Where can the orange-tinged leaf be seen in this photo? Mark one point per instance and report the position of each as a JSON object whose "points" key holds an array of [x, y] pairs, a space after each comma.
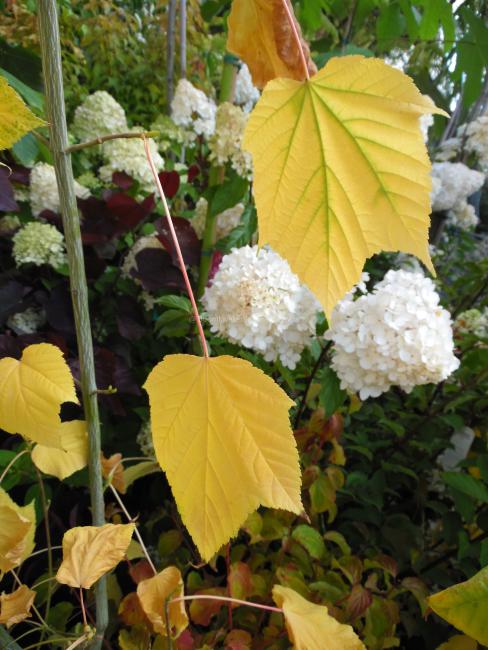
{"points": [[113, 471], [15, 607], [32, 390], [15, 118], [153, 594], [91, 551], [74, 455], [202, 611], [207, 415], [17, 530], [261, 34], [310, 626], [341, 171]]}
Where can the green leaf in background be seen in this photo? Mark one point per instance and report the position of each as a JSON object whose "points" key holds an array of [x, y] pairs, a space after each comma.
{"points": [[412, 18], [350, 48], [33, 98], [175, 302], [311, 540], [26, 150], [466, 484], [465, 606], [472, 55], [331, 395], [227, 195], [241, 234], [390, 25]]}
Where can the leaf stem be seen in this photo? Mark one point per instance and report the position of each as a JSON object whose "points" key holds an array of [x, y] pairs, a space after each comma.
{"points": [[237, 601], [14, 460], [83, 610], [293, 26], [77, 642], [45, 510], [168, 624], [176, 243], [106, 138]]}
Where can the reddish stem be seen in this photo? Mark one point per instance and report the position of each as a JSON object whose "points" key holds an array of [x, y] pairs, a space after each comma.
{"points": [[297, 37], [227, 562], [176, 243], [83, 610], [247, 603]]}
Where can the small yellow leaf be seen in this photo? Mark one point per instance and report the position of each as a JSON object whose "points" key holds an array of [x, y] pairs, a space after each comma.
{"points": [[74, 455], [310, 627], [341, 171], [17, 530], [15, 607], [459, 642], [113, 471], [261, 34], [15, 118], [91, 551], [32, 391], [465, 605], [222, 435], [153, 594]]}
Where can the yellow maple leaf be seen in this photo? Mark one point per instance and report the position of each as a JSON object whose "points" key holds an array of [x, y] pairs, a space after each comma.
{"points": [[341, 171], [74, 455], [17, 530], [153, 594], [459, 642], [222, 435], [310, 626], [261, 34], [15, 607], [90, 551], [32, 390], [15, 118]]}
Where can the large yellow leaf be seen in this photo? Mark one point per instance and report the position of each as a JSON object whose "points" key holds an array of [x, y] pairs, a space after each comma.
{"points": [[261, 34], [17, 530], [15, 118], [153, 594], [74, 455], [465, 606], [222, 435], [310, 627], [32, 391], [341, 171], [91, 551], [459, 642], [15, 607]]}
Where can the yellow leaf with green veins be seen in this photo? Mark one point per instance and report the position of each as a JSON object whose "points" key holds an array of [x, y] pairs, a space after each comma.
{"points": [[15, 118], [32, 390], [341, 171], [222, 435], [465, 605]]}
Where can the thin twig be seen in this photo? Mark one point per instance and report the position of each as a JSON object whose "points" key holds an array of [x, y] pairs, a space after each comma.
{"points": [[310, 379], [294, 29], [227, 564], [14, 460], [83, 610], [226, 599], [106, 138], [179, 254], [47, 529], [77, 642]]}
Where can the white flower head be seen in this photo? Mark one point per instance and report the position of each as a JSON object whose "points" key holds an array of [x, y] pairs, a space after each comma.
{"points": [[477, 140], [226, 142], [246, 94], [226, 221], [44, 189], [192, 109], [473, 321], [98, 115], [396, 335], [130, 262], [27, 321], [39, 243], [457, 182], [255, 300]]}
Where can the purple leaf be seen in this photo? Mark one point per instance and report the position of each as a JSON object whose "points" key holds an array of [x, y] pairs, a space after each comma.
{"points": [[122, 180], [7, 201], [170, 182], [189, 243], [156, 271]]}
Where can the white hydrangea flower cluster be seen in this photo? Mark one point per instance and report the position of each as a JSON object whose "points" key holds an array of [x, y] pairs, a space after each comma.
{"points": [[130, 262], [128, 155], [225, 222], [44, 189], [39, 243], [145, 441], [9, 223], [226, 142], [192, 109], [27, 321], [464, 216], [255, 300], [99, 114], [246, 93], [452, 184], [397, 335], [448, 150], [477, 140], [425, 122], [473, 321]]}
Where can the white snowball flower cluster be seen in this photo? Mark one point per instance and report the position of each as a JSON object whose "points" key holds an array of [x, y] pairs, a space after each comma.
{"points": [[425, 122], [44, 189], [8, 224], [27, 321], [463, 216], [448, 149], [226, 143], [130, 262], [246, 93], [397, 335], [473, 321], [128, 155], [255, 300], [39, 243], [477, 140], [225, 222], [192, 109], [98, 115], [452, 184]]}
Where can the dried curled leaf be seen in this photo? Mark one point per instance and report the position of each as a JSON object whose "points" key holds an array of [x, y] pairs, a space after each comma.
{"points": [[153, 594], [90, 551], [341, 171], [261, 34], [113, 471], [310, 627], [207, 415], [32, 390], [15, 607], [15, 118], [73, 457], [17, 530]]}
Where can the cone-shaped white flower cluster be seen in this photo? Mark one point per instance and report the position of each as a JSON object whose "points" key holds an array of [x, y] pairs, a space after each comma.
{"points": [[192, 109], [39, 243], [452, 184], [226, 143], [477, 140], [257, 301], [27, 321], [397, 335], [97, 116], [246, 92], [473, 321], [44, 189], [225, 222]]}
